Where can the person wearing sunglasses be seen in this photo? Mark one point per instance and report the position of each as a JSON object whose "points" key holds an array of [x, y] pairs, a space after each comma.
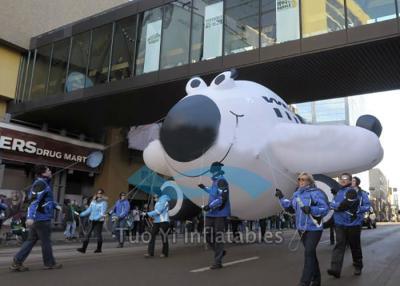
{"points": [[120, 211], [97, 212], [310, 206], [349, 205]]}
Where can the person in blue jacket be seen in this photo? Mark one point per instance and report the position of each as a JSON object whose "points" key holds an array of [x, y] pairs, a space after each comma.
{"points": [[119, 213], [96, 211], [310, 206], [218, 209], [39, 216], [3, 208], [349, 204], [160, 222]]}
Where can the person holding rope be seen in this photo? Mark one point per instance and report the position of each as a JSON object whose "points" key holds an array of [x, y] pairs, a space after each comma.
{"points": [[310, 206], [119, 212], [218, 209], [161, 222], [349, 204], [96, 211], [40, 214]]}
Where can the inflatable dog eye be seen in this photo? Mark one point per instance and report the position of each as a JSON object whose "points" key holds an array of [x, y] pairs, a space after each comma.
{"points": [[194, 84], [225, 79]]}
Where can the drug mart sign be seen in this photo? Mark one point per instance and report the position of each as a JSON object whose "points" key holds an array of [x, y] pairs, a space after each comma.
{"points": [[22, 144]]}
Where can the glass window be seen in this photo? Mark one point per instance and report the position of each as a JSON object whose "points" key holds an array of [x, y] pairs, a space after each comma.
{"points": [[362, 12], [148, 52], [58, 69], [305, 111], [176, 35], [28, 75], [124, 49], [331, 110], [322, 16], [280, 21], [78, 63], [41, 72], [100, 54], [207, 29], [241, 26]]}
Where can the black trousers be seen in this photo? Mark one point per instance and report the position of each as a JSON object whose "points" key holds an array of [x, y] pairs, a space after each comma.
{"points": [[164, 226], [263, 228], [311, 271], [347, 236], [215, 236], [97, 228]]}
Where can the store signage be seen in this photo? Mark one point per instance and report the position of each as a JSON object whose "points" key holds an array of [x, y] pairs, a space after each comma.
{"points": [[213, 21], [287, 20], [22, 144], [153, 44]]}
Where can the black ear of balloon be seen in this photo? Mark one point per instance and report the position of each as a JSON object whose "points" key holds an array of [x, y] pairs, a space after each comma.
{"points": [[370, 123], [234, 73]]}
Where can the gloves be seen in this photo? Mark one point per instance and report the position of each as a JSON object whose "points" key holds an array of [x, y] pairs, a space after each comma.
{"points": [[306, 209], [29, 222], [76, 213], [334, 192], [59, 208], [206, 208], [201, 186], [146, 215], [279, 194]]}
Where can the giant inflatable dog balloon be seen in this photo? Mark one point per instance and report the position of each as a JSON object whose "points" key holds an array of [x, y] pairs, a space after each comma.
{"points": [[261, 142]]}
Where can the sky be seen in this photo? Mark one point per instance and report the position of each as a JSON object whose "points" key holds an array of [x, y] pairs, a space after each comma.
{"points": [[386, 107]]}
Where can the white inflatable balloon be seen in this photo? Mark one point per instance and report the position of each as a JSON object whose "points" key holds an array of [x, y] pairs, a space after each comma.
{"points": [[261, 142]]}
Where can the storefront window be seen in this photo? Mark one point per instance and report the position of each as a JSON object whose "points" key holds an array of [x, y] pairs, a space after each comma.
{"points": [[41, 72], [100, 54], [207, 29], [176, 35], [322, 16], [124, 49], [28, 75], [58, 69], [77, 78], [280, 21], [148, 52], [241, 26], [362, 12]]}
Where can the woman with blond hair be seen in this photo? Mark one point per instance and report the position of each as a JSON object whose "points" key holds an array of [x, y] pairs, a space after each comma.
{"points": [[310, 206]]}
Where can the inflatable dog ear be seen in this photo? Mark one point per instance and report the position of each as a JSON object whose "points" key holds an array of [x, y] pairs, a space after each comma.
{"points": [[194, 84], [225, 79]]}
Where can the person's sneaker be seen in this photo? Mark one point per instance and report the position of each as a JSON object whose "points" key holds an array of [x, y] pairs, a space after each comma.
{"points": [[333, 273], [120, 245], [357, 271], [18, 267], [54, 266], [148, 255], [224, 253], [216, 266], [97, 251], [163, 256], [81, 250]]}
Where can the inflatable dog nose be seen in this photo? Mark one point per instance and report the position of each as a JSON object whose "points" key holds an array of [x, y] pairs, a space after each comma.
{"points": [[190, 128], [370, 123]]}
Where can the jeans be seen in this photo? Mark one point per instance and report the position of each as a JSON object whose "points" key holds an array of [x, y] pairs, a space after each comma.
{"points": [[347, 236], [164, 226], [311, 271], [70, 229], [119, 230], [40, 230], [215, 236]]}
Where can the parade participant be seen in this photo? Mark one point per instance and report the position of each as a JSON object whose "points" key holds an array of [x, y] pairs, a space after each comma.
{"points": [[40, 213], [309, 205], [3, 208], [136, 220], [120, 211], [161, 221], [97, 213], [349, 205], [70, 219], [218, 209]]}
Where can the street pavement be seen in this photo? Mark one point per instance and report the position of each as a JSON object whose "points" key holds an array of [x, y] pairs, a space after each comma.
{"points": [[245, 264]]}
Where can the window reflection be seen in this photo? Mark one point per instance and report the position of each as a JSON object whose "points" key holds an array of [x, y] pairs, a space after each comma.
{"points": [[322, 16], [280, 21], [58, 67], [100, 54], [176, 34], [78, 63], [362, 12], [123, 50], [148, 53], [207, 30], [41, 72], [241, 26]]}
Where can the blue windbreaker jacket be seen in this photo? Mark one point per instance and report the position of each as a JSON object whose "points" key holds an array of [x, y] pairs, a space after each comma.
{"points": [[42, 206], [215, 199], [96, 211], [160, 212], [121, 208]]}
